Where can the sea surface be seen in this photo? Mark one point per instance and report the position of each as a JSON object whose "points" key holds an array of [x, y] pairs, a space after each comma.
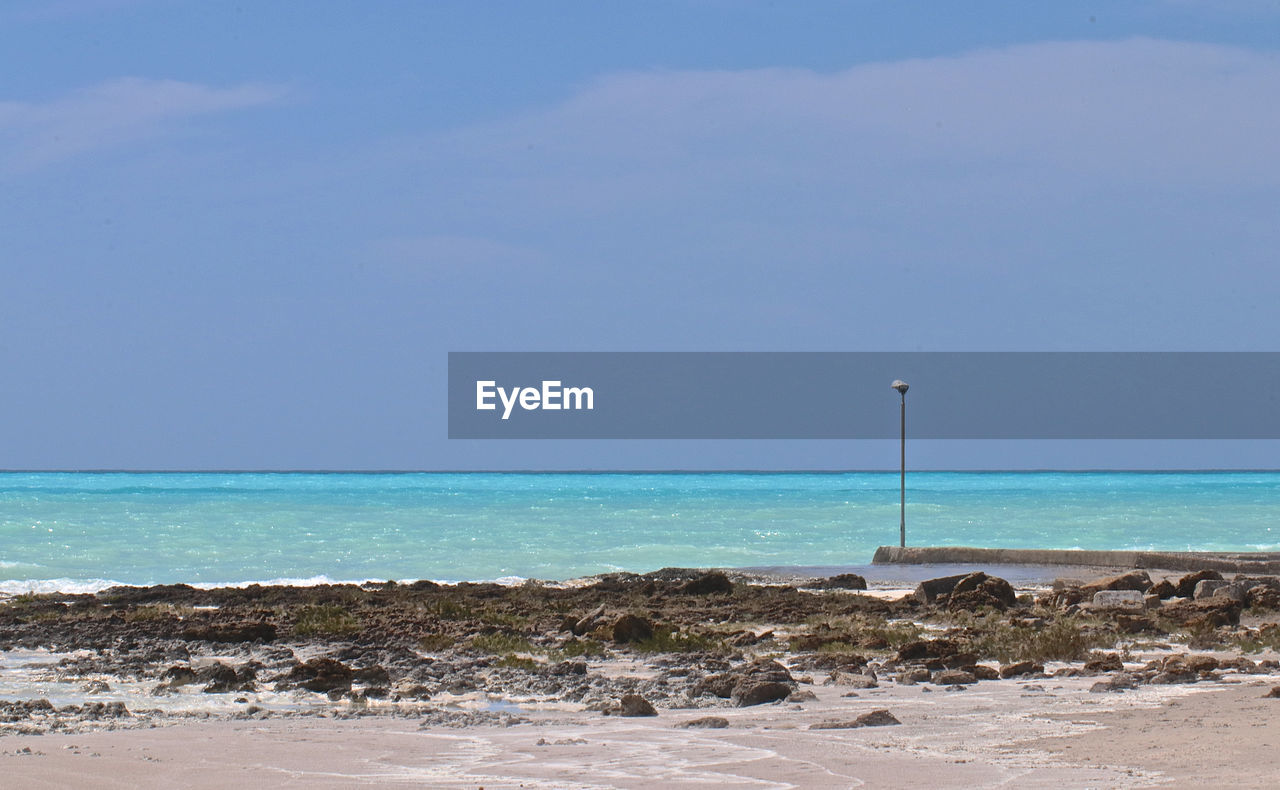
{"points": [[85, 531]]}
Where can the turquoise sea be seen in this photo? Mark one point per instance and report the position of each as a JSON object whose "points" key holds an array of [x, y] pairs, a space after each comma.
{"points": [[82, 531]]}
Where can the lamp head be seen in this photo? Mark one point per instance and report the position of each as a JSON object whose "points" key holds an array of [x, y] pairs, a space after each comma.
{"points": [[900, 386]]}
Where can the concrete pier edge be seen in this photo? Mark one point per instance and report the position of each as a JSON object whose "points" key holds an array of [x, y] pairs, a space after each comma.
{"points": [[1230, 562]]}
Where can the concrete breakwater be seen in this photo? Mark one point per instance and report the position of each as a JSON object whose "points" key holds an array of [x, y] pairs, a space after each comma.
{"points": [[1231, 562]]}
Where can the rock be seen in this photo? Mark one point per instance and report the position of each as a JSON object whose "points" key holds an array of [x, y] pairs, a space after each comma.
{"points": [[1118, 600], [1262, 596], [372, 676], [219, 678], [1209, 612], [910, 677], [843, 581], [709, 722], [707, 584], [928, 591], [983, 672], [759, 692], [1274, 693], [1186, 586], [176, 676], [1109, 662], [635, 705], [241, 632], [1021, 668], [927, 648], [1120, 681], [1151, 600], [852, 680], [590, 622], [1207, 588], [1201, 663], [875, 718], [1166, 678], [978, 590], [566, 668], [953, 677], [1164, 588], [631, 628], [1133, 580], [321, 675]]}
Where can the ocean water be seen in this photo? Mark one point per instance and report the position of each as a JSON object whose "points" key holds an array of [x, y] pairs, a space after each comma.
{"points": [[83, 531]]}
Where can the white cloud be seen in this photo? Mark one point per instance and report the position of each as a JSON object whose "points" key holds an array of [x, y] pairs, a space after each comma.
{"points": [[1135, 111], [112, 114]]}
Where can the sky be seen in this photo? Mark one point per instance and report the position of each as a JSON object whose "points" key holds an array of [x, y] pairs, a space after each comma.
{"points": [[246, 235]]}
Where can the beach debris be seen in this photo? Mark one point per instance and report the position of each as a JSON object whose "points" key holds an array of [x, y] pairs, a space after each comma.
{"points": [[635, 705], [707, 722], [631, 628], [842, 581], [1133, 580], [875, 718]]}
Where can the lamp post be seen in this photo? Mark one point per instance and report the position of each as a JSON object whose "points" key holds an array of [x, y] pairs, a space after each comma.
{"points": [[901, 387]]}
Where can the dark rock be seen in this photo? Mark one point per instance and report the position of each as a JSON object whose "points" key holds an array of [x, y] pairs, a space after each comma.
{"points": [[177, 676], [1202, 663], [953, 677], [321, 675], [978, 590], [635, 705], [707, 584], [843, 581], [1186, 587], [1164, 589], [759, 692], [982, 672], [1133, 580], [241, 632], [631, 628], [1120, 681], [1106, 663], [372, 676], [928, 591], [928, 648], [1205, 613], [854, 680], [1261, 596], [590, 622], [709, 722], [876, 718], [565, 668], [219, 678], [1274, 693], [1021, 668]]}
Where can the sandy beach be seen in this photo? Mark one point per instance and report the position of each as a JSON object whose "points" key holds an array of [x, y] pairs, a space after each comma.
{"points": [[725, 682]]}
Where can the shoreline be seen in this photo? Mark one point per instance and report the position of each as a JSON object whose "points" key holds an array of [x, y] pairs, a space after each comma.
{"points": [[984, 679]]}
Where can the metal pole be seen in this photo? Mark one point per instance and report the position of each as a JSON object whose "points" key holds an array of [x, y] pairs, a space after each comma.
{"points": [[902, 476]]}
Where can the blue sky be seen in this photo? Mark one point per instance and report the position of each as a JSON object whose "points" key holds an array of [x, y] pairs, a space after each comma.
{"points": [[246, 235]]}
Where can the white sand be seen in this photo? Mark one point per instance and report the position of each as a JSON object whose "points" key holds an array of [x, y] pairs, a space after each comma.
{"points": [[995, 734]]}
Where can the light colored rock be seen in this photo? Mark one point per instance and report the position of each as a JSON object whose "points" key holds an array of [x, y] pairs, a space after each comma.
{"points": [[1129, 600]]}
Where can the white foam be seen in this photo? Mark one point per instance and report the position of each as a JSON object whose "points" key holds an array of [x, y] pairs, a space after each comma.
{"points": [[41, 586]]}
